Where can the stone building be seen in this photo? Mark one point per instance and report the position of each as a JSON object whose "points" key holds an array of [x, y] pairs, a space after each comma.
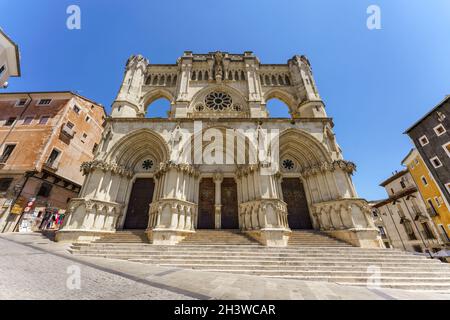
{"points": [[9, 59], [435, 201], [430, 163], [406, 222], [196, 169], [44, 138]]}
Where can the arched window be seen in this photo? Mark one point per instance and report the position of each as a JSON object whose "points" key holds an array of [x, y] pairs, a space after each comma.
{"points": [[280, 80], [277, 108], [274, 80], [230, 75], [261, 78], [174, 80], [267, 80], [149, 80], [206, 75], [193, 76], [159, 108], [169, 80], [162, 80], [236, 76], [155, 80], [242, 76], [200, 75], [287, 80]]}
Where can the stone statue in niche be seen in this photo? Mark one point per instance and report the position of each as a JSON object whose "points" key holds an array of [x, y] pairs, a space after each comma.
{"points": [[218, 66]]}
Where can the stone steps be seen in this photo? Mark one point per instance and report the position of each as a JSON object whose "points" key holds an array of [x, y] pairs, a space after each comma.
{"points": [[310, 256]]}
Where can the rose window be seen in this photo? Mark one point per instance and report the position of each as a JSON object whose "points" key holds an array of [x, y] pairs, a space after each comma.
{"points": [[288, 164], [147, 164], [218, 101]]}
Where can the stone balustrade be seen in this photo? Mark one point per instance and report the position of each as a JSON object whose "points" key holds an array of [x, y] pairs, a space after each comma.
{"points": [[89, 217], [347, 219], [171, 220]]}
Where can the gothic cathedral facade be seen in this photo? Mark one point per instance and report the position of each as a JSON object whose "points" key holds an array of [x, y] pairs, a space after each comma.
{"points": [[148, 175]]}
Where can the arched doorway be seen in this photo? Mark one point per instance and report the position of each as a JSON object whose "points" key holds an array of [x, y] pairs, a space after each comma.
{"points": [[229, 214], [206, 201], [138, 204], [297, 206]]}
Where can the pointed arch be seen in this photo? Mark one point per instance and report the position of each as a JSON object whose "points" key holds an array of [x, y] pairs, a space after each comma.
{"points": [[305, 149], [282, 95], [138, 145]]}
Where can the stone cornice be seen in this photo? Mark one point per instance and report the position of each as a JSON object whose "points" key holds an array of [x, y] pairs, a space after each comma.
{"points": [[180, 167], [115, 168], [325, 166]]}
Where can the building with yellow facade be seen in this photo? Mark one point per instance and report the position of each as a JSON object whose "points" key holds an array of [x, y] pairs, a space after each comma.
{"points": [[435, 201]]}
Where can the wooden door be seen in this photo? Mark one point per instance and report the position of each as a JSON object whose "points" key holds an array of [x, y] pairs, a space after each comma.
{"points": [[206, 203], [229, 215], [294, 196], [138, 206]]}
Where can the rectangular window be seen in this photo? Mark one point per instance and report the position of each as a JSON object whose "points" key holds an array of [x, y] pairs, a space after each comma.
{"points": [[5, 183], [10, 121], [439, 130], [437, 201], [447, 148], [70, 125], [9, 148], [44, 190], [382, 231], [436, 162], [44, 119], [44, 102], [88, 119], [431, 210], [427, 231], [76, 109], [423, 140], [27, 120], [21, 102], [443, 233], [53, 157], [94, 148], [424, 180]]}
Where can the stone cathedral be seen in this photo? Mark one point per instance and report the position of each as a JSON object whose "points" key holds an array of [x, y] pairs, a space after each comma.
{"points": [[136, 183]]}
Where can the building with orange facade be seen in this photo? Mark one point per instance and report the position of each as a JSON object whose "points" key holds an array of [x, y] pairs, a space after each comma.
{"points": [[436, 203], [44, 138]]}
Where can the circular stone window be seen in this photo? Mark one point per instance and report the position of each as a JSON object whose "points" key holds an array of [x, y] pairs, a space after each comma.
{"points": [[147, 164], [218, 101], [288, 164]]}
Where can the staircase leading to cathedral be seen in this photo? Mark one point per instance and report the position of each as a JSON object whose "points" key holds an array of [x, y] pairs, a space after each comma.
{"points": [[309, 256]]}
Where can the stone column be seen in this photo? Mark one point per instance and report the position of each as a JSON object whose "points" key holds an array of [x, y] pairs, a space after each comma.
{"points": [[218, 178]]}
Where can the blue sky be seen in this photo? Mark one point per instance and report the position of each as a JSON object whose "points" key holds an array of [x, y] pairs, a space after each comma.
{"points": [[374, 83]]}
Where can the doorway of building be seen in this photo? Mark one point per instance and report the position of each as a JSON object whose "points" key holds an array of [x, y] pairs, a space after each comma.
{"points": [[206, 203], [138, 205], [229, 214], [295, 198]]}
